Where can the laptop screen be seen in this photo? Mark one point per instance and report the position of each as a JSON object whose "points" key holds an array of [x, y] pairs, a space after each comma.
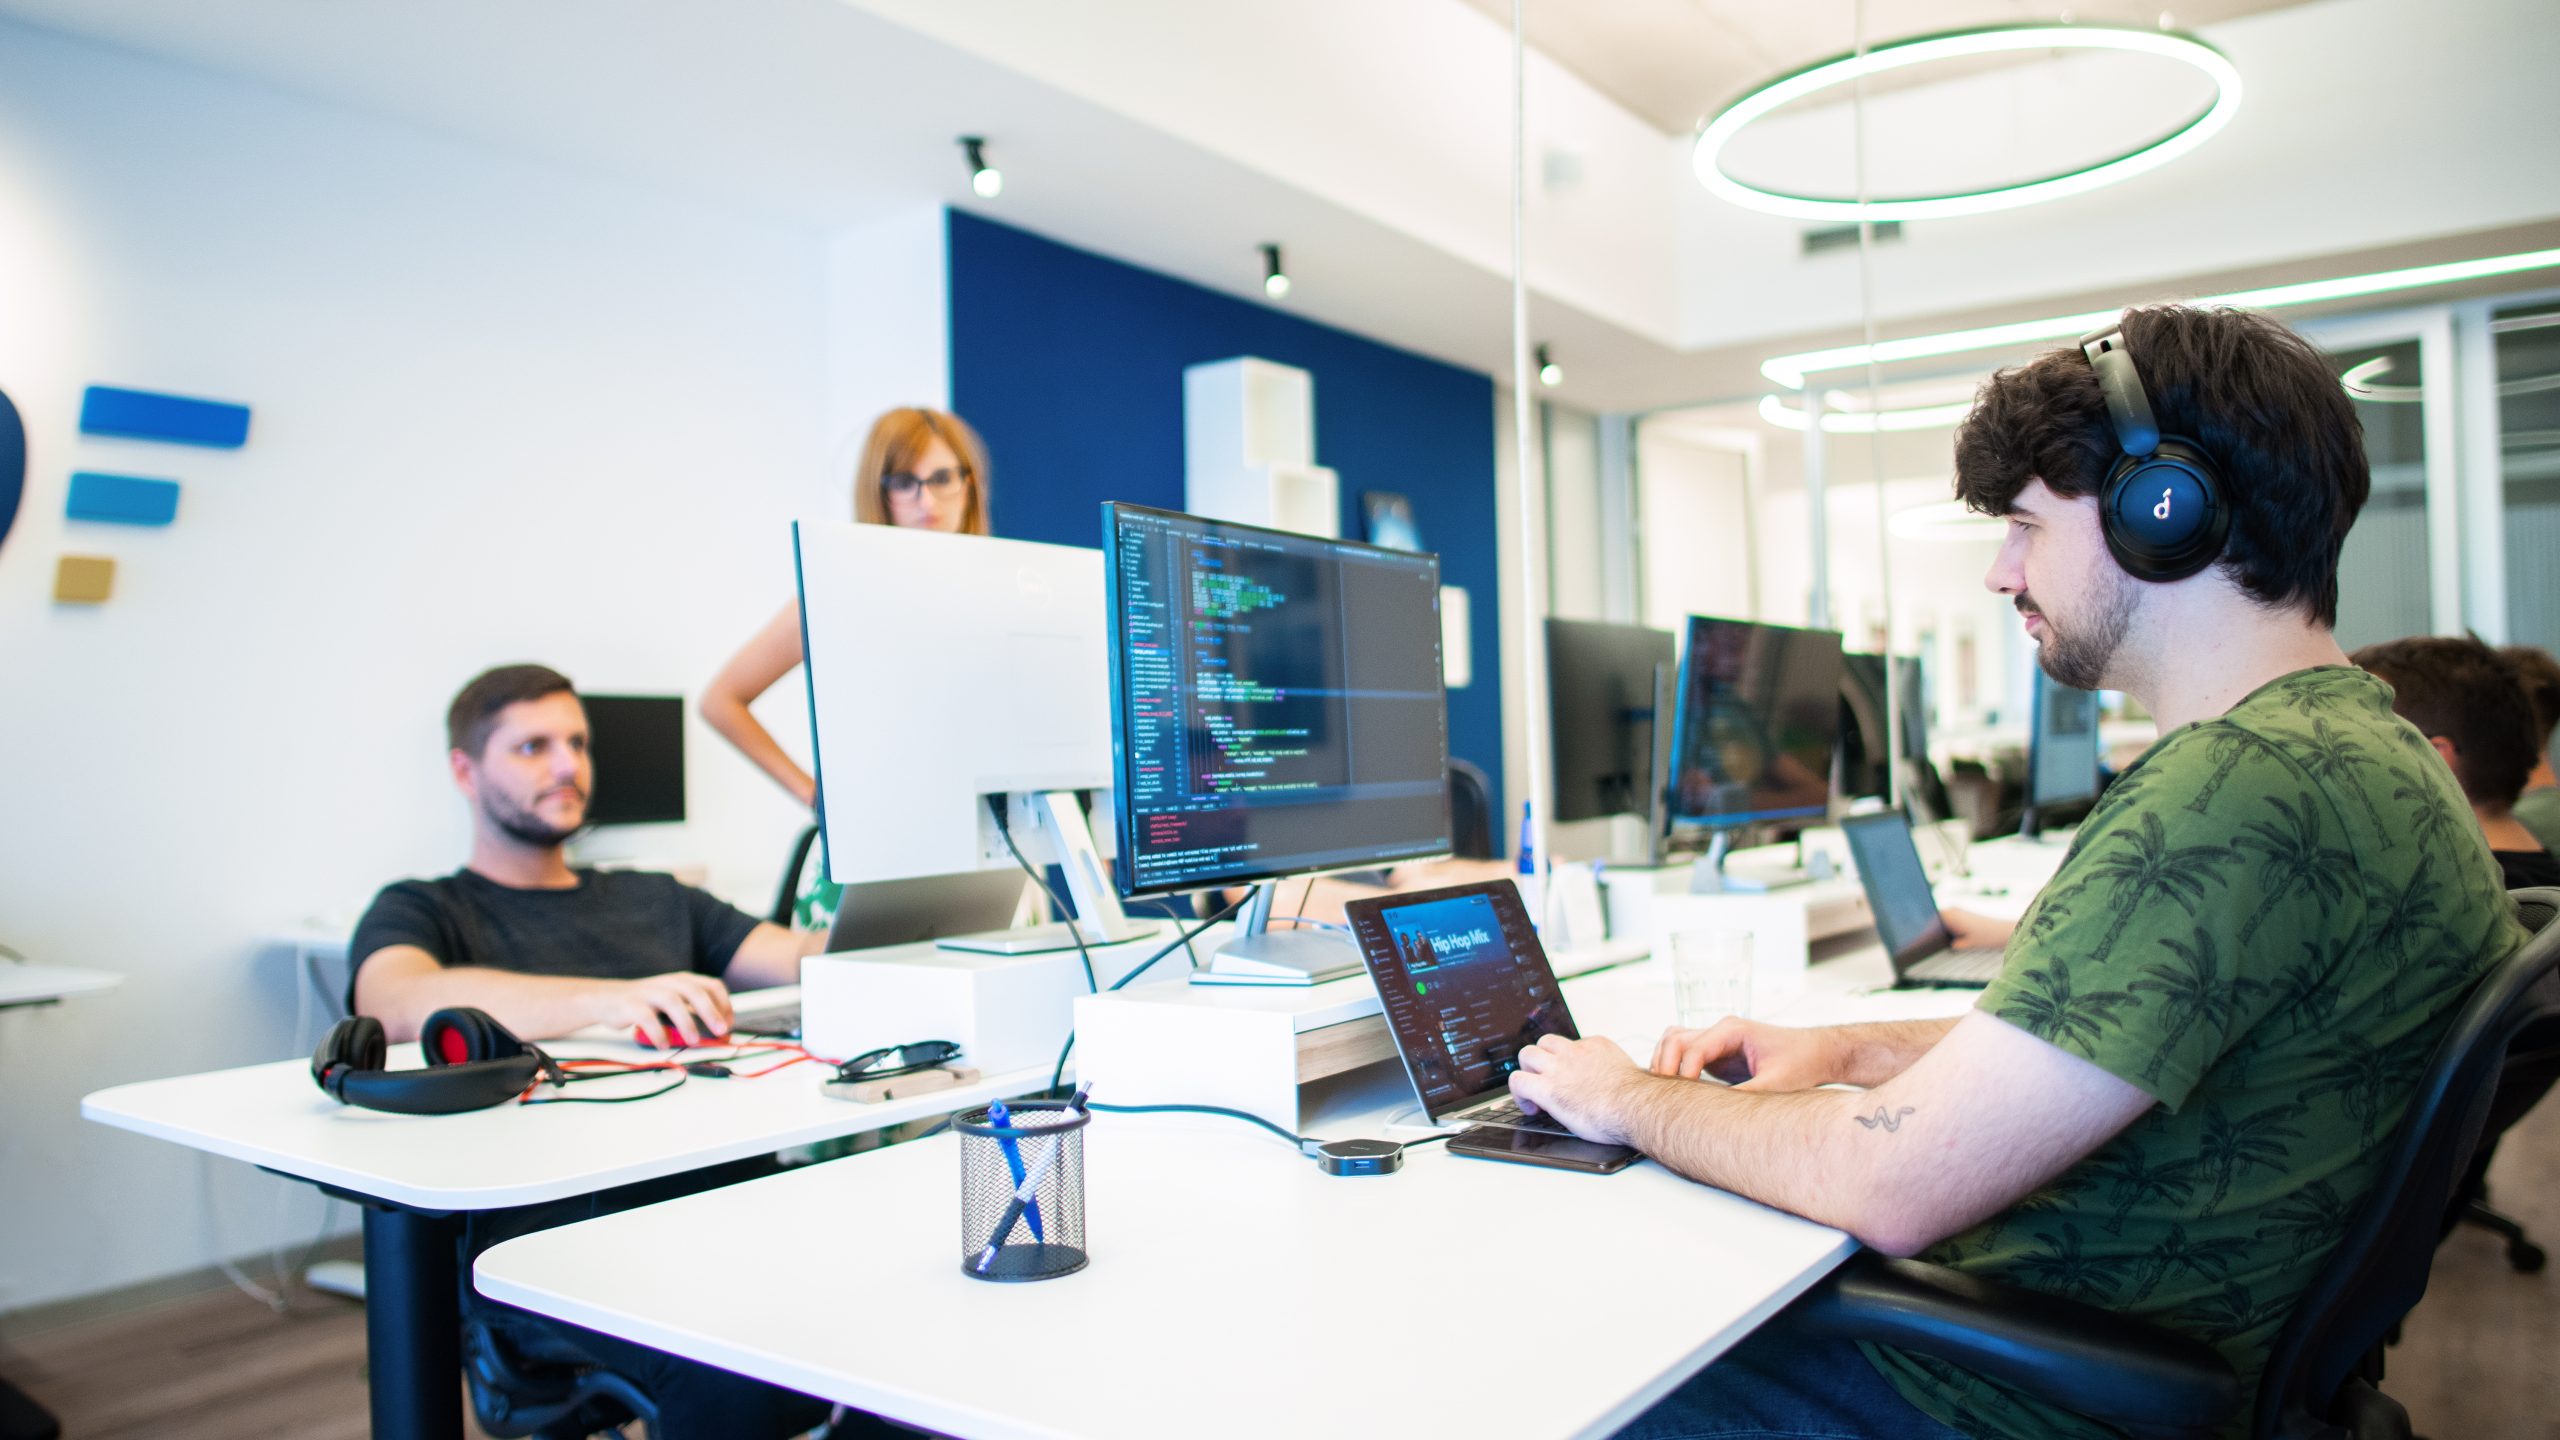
{"points": [[1897, 886], [1464, 983]]}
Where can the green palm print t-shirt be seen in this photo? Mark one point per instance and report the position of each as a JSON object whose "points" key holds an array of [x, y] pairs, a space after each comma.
{"points": [[2267, 923]]}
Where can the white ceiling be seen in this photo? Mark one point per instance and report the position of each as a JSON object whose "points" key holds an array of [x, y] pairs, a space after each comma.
{"points": [[1374, 141], [1677, 62]]}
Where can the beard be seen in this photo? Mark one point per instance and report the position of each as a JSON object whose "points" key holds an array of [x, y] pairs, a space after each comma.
{"points": [[2081, 655], [526, 826]]}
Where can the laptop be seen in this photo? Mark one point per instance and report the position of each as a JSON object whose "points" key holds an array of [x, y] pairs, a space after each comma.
{"points": [[1915, 935], [926, 907], [901, 912], [1466, 987]]}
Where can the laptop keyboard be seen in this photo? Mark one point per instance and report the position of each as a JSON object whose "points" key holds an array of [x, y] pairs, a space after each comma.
{"points": [[1508, 1115], [1970, 965], [779, 1023]]}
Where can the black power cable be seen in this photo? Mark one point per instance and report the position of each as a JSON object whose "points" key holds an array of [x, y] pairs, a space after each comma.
{"points": [[1058, 1074], [998, 806]]}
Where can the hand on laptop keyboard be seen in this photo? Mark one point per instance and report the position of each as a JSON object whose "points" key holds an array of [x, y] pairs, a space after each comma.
{"points": [[1508, 1114]]}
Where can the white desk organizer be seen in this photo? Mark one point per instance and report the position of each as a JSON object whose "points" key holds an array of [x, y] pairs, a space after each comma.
{"points": [[1246, 1048], [1008, 1012]]}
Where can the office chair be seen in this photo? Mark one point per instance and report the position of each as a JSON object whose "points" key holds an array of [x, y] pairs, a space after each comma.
{"points": [[1470, 812], [2322, 1376], [519, 1388], [787, 899], [2533, 1064]]}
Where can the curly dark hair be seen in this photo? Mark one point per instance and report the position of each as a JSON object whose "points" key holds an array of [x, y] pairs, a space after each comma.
{"points": [[2257, 397], [2460, 689]]}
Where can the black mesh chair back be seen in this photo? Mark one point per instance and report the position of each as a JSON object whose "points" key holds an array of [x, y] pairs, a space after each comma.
{"points": [[2379, 1270], [1470, 812], [787, 899]]}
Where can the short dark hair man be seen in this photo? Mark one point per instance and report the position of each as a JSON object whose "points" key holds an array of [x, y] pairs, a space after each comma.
{"points": [[2538, 808], [545, 948], [2469, 703], [2210, 1021]]}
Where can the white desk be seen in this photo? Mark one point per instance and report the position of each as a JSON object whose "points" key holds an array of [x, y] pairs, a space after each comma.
{"points": [[46, 984], [413, 1174], [1234, 1288]]}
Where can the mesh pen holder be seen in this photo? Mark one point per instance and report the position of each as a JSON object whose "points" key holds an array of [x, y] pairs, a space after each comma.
{"points": [[1044, 1238]]}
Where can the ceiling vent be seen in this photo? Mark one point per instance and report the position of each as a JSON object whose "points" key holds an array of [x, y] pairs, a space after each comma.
{"points": [[1845, 237]]}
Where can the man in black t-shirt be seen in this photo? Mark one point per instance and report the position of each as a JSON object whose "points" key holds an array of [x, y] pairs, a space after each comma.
{"points": [[547, 949], [2470, 703], [516, 932]]}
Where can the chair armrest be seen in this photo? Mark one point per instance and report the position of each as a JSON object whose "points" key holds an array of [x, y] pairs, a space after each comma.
{"points": [[2135, 1376]]}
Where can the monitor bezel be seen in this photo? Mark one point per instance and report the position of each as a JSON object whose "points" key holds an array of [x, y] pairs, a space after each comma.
{"points": [[1124, 814]]}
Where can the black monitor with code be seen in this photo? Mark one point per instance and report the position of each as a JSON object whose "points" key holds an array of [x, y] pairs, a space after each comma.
{"points": [[1277, 708]]}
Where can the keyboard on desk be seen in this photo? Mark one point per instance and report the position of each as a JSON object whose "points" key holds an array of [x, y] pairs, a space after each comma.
{"points": [[1958, 967], [780, 1022], [1507, 1115]]}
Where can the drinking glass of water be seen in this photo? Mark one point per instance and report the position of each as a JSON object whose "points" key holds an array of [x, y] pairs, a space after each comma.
{"points": [[1711, 975]]}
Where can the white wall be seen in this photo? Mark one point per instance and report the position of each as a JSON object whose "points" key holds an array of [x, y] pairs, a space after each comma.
{"points": [[503, 411]]}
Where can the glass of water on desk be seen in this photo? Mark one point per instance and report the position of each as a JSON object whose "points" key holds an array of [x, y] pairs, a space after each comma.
{"points": [[1711, 974]]}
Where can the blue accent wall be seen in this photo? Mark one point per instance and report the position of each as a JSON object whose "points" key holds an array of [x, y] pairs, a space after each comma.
{"points": [[1070, 365]]}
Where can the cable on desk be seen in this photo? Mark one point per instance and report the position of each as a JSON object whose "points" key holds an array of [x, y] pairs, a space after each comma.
{"points": [[1058, 1073], [1000, 807], [1306, 1146]]}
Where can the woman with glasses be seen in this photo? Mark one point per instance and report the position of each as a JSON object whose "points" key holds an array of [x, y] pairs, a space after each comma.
{"points": [[922, 469]]}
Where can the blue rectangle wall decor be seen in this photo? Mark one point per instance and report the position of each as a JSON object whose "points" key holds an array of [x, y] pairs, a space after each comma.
{"points": [[121, 499], [174, 419]]}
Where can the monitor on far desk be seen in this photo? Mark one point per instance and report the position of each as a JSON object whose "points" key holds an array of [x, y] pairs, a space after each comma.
{"points": [[1751, 739], [1276, 710], [2062, 751], [1609, 693], [949, 675]]}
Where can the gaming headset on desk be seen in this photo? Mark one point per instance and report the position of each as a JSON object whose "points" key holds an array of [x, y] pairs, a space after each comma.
{"points": [[473, 1063], [2164, 509]]}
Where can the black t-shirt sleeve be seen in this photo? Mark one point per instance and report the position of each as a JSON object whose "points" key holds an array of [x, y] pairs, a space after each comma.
{"points": [[719, 928], [405, 913]]}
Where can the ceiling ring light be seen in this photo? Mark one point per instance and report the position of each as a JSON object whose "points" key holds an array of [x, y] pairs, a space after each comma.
{"points": [[1991, 40]]}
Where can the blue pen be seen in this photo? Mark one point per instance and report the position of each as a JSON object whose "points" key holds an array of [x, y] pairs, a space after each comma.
{"points": [[1002, 1119]]}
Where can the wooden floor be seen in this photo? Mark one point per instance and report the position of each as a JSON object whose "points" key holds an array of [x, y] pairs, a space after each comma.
{"points": [[2480, 1360]]}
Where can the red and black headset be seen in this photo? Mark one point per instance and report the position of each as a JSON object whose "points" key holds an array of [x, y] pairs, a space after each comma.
{"points": [[473, 1063]]}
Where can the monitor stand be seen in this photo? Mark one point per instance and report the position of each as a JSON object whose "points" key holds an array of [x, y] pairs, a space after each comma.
{"points": [[1099, 918], [1260, 955], [2031, 829], [1710, 877]]}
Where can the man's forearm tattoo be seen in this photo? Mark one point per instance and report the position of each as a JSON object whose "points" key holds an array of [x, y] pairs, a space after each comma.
{"points": [[1890, 1122]]}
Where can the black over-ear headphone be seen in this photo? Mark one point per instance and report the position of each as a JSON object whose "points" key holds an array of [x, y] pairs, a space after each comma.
{"points": [[473, 1063], [2164, 508]]}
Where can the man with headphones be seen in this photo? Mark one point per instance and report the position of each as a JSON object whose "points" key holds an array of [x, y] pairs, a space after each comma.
{"points": [[2209, 1022], [519, 943]]}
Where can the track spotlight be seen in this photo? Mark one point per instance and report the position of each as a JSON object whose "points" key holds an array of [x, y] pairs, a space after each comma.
{"points": [[984, 178], [1549, 372], [1275, 281]]}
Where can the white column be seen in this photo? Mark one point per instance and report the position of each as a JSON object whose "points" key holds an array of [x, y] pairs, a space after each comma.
{"points": [[2482, 466]]}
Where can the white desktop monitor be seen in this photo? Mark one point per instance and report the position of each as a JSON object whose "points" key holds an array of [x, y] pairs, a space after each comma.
{"points": [[942, 670]]}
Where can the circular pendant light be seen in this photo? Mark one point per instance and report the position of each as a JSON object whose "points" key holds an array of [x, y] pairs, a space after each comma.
{"points": [[1956, 44]]}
